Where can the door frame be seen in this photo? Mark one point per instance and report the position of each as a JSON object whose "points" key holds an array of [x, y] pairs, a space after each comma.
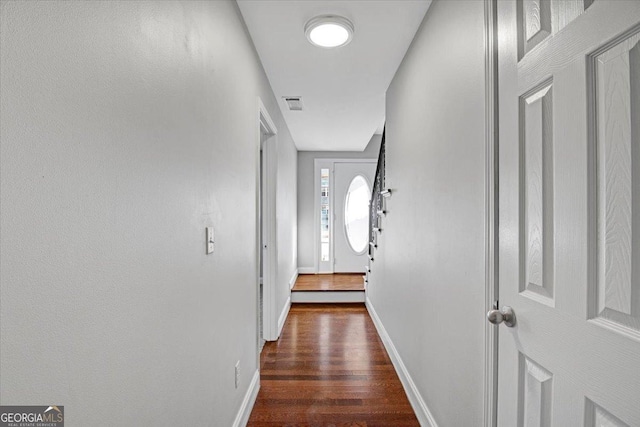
{"points": [[491, 207], [330, 164], [265, 125]]}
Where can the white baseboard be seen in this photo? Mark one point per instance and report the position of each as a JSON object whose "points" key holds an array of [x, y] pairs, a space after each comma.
{"points": [[283, 315], [417, 402], [327, 296], [292, 282], [306, 270], [242, 418]]}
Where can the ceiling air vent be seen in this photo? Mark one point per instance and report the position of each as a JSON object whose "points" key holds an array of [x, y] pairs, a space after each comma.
{"points": [[293, 102]]}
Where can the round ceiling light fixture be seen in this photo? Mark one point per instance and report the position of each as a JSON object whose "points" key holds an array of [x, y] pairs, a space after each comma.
{"points": [[329, 31]]}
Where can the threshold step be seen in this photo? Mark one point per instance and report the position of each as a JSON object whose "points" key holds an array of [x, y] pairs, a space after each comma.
{"points": [[327, 296]]}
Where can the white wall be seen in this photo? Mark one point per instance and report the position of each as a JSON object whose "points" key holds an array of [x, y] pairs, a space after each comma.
{"points": [[126, 128], [428, 278], [306, 195]]}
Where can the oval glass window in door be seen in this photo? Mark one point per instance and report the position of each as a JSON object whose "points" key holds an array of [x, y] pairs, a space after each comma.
{"points": [[356, 214]]}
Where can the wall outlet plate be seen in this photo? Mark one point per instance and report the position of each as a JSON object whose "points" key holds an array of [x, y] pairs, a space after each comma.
{"points": [[210, 240]]}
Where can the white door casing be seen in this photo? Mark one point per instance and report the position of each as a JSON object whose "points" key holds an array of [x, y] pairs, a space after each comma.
{"points": [[267, 243], [262, 230], [569, 212]]}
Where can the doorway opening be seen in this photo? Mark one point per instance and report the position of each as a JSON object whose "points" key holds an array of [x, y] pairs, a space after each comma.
{"points": [[342, 194], [266, 228], [262, 238]]}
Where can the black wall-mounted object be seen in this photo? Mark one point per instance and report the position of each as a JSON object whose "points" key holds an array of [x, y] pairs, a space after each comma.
{"points": [[376, 204]]}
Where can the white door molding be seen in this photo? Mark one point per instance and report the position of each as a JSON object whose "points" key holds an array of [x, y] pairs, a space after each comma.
{"points": [[491, 199], [267, 127]]}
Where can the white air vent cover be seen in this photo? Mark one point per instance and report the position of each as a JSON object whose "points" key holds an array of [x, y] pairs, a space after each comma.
{"points": [[293, 102]]}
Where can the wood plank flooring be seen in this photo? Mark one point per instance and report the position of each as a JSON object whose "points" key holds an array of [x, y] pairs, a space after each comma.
{"points": [[330, 282], [329, 368]]}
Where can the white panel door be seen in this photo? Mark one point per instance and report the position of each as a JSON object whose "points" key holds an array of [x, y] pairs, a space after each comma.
{"points": [[569, 212], [350, 256]]}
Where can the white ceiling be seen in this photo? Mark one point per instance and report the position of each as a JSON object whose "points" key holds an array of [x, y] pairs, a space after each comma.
{"points": [[342, 89]]}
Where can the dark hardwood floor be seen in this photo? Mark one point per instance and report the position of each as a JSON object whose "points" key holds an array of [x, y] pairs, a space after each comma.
{"points": [[329, 368], [330, 282]]}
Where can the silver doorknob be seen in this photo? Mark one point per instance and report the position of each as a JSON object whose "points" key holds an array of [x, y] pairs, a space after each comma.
{"points": [[506, 316]]}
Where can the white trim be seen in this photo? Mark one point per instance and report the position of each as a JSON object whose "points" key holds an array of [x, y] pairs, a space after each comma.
{"points": [[269, 314], [327, 296], [283, 315], [491, 172], [306, 270], [265, 118], [293, 279], [242, 418], [418, 404]]}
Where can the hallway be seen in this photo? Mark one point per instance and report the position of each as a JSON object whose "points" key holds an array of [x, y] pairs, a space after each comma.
{"points": [[429, 210], [329, 367]]}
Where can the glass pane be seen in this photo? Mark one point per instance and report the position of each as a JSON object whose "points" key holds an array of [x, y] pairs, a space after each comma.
{"points": [[325, 251], [356, 214], [324, 215]]}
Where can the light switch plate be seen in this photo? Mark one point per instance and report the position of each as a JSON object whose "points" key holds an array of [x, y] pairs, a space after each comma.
{"points": [[210, 241]]}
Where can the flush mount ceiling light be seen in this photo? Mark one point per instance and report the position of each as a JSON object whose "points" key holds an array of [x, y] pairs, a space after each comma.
{"points": [[329, 31]]}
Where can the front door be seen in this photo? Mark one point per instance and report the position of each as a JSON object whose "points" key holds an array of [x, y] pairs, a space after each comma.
{"points": [[351, 214], [569, 213]]}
